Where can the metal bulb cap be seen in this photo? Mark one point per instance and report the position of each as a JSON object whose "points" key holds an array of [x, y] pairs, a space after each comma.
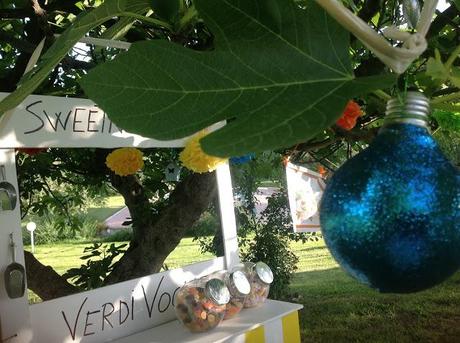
{"points": [[413, 108]]}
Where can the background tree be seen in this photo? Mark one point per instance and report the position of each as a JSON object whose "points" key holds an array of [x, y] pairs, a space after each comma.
{"points": [[24, 23]]}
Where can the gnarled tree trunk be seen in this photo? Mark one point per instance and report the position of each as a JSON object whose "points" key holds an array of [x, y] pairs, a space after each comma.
{"points": [[154, 238]]}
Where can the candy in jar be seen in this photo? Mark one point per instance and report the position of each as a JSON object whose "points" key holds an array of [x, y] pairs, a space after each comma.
{"points": [[260, 277], [200, 304], [239, 288]]}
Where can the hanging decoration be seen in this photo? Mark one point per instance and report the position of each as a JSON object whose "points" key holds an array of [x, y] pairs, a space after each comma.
{"points": [[350, 114], [172, 172], [322, 171], [305, 188], [391, 214], [125, 161], [398, 58], [242, 159], [194, 158]]}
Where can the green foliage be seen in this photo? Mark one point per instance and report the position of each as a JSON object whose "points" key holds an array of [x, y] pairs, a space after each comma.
{"points": [[58, 186], [281, 75], [124, 235], [271, 245], [54, 227], [205, 226], [448, 120], [100, 260], [168, 9], [107, 10], [266, 237]]}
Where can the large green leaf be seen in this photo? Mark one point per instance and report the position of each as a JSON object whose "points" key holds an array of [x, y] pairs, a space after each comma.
{"points": [[278, 74], [83, 24]]}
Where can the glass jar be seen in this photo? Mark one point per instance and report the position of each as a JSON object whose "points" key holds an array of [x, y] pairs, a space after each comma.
{"points": [[200, 304], [260, 277], [239, 288]]}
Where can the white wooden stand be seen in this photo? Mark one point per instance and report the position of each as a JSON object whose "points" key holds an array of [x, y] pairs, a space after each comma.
{"points": [[142, 310]]}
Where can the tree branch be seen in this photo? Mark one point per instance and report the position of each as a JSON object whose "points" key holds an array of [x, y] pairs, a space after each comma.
{"points": [[44, 281]]}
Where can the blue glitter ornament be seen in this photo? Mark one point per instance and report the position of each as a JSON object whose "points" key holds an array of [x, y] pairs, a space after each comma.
{"points": [[391, 215], [242, 159]]}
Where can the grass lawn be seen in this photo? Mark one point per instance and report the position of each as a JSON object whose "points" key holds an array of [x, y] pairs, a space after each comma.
{"points": [[336, 308]]}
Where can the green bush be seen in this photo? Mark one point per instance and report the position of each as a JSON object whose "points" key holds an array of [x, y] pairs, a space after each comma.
{"points": [[205, 226], [270, 244], [56, 228], [124, 235]]}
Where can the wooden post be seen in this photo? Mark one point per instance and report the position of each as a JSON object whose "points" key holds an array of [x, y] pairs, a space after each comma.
{"points": [[14, 313]]}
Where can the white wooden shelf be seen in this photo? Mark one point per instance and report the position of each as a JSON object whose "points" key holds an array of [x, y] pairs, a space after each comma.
{"points": [[246, 320]]}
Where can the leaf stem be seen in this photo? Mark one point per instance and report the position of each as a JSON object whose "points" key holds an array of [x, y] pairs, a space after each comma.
{"points": [[452, 58], [188, 16], [382, 95], [145, 19]]}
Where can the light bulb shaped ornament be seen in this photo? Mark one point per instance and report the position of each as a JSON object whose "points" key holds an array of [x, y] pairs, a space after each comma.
{"points": [[391, 215]]}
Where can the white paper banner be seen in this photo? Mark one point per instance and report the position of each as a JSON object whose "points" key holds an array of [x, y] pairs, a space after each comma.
{"points": [[305, 188]]}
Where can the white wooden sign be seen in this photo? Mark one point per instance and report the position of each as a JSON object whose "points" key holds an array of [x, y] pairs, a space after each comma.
{"points": [[49, 121], [115, 311], [111, 312], [305, 189]]}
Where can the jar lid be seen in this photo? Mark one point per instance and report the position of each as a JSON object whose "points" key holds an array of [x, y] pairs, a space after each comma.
{"points": [[216, 290], [264, 272], [240, 282]]}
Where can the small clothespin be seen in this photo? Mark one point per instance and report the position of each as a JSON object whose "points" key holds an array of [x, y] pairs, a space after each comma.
{"points": [[397, 58]]}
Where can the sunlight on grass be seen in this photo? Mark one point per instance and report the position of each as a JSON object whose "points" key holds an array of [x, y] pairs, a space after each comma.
{"points": [[336, 307], [64, 256]]}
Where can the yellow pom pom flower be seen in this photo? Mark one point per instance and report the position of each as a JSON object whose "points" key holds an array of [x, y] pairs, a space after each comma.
{"points": [[195, 159], [125, 161]]}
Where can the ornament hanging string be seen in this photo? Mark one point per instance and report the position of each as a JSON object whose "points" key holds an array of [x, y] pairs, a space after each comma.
{"points": [[397, 58]]}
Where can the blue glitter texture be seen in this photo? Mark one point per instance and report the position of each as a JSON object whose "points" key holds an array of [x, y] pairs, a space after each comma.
{"points": [[242, 159], [391, 215]]}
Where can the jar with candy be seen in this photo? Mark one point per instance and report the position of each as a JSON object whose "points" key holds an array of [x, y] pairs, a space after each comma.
{"points": [[239, 287], [260, 277], [200, 304]]}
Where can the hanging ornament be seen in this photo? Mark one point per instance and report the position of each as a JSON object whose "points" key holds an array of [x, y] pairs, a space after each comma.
{"points": [[125, 161], [242, 159], [399, 57], [391, 214], [172, 172], [349, 116], [194, 158]]}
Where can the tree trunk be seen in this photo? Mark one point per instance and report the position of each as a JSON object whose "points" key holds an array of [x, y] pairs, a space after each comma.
{"points": [[155, 237], [153, 242], [44, 281]]}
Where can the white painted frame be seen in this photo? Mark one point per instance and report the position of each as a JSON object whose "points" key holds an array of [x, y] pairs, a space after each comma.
{"points": [[20, 322]]}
